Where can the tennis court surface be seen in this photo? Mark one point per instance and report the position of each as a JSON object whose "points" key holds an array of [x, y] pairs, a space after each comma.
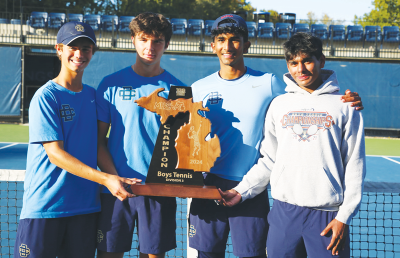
{"points": [[375, 231]]}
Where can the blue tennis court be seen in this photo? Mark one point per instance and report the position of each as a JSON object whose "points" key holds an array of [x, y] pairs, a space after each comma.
{"points": [[375, 231], [379, 168]]}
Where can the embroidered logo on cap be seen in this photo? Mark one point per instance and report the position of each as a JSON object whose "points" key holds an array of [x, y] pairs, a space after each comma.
{"points": [[80, 28]]}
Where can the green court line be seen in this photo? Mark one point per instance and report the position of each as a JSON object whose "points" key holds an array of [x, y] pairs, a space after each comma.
{"points": [[14, 133], [374, 146], [383, 146]]}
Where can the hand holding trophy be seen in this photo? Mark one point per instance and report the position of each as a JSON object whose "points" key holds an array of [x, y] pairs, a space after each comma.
{"points": [[181, 152]]}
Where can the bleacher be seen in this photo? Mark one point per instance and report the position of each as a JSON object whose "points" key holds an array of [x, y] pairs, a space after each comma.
{"points": [[195, 34]]}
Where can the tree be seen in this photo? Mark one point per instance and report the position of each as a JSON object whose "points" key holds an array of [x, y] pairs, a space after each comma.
{"points": [[326, 20], [193, 9], [311, 18], [385, 13]]}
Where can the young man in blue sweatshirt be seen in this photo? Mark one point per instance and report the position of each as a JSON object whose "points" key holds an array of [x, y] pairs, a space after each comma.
{"points": [[313, 155]]}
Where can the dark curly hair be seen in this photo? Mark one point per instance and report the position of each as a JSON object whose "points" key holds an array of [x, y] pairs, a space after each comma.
{"points": [[230, 29], [303, 43], [153, 24]]}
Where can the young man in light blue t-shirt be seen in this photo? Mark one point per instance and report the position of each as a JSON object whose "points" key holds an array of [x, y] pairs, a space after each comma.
{"points": [[61, 190], [129, 149], [238, 98]]}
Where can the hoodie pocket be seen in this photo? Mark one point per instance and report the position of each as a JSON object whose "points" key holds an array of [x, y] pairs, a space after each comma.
{"points": [[308, 186]]}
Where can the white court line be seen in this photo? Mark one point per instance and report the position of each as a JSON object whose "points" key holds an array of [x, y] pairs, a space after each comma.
{"points": [[395, 161], [380, 156], [8, 146], [16, 142], [12, 175]]}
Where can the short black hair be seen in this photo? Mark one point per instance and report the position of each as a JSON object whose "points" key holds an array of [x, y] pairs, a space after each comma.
{"points": [[303, 43], [230, 29]]}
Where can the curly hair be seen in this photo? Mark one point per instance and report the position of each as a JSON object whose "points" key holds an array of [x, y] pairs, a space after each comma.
{"points": [[303, 43], [152, 24]]}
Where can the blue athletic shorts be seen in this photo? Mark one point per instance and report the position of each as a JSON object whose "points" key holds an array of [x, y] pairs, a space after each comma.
{"points": [[73, 236], [294, 231], [210, 223], [155, 218]]}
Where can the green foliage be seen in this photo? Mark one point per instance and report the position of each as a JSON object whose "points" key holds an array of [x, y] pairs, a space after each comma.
{"points": [[194, 9], [385, 13], [311, 18]]}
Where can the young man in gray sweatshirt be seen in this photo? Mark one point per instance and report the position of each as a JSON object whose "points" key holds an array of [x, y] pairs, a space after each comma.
{"points": [[313, 155]]}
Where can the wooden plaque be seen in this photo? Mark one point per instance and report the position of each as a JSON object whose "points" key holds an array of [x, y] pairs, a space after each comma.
{"points": [[181, 152]]}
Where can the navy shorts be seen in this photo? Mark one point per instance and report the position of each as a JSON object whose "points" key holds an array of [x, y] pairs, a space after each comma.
{"points": [[155, 219], [294, 231], [210, 223], [73, 236]]}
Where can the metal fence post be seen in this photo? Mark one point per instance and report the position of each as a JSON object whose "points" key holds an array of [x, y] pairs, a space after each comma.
{"points": [[112, 34], [21, 38], [332, 52], [288, 33], [376, 53], [22, 85]]}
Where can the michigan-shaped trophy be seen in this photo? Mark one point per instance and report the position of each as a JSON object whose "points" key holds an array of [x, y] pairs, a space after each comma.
{"points": [[181, 152]]}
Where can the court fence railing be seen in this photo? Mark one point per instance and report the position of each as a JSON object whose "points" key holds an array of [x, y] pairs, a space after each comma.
{"points": [[374, 231], [27, 35]]}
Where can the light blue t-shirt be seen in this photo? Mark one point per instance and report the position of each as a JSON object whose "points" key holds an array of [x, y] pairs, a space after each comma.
{"points": [[237, 113], [134, 129], [56, 113]]}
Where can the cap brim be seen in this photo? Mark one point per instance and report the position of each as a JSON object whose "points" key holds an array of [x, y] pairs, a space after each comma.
{"points": [[67, 41]]}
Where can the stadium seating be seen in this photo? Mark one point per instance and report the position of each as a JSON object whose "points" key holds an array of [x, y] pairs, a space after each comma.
{"points": [[93, 20], [195, 30], [282, 32], [320, 30], [252, 29], [38, 20], [266, 32], [109, 25], [288, 18], [107, 22], [207, 34], [390, 37], [372, 34], [355, 36], [337, 35], [261, 17], [179, 27], [56, 20], [75, 17], [16, 21], [300, 27], [207, 28], [124, 22]]}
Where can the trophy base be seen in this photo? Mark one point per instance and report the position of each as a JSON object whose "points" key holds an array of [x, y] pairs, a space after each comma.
{"points": [[171, 190]]}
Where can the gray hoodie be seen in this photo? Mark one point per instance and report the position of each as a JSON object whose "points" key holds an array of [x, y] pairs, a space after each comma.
{"points": [[313, 151]]}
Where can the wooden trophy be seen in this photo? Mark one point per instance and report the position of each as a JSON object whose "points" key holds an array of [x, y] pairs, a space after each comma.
{"points": [[181, 152]]}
